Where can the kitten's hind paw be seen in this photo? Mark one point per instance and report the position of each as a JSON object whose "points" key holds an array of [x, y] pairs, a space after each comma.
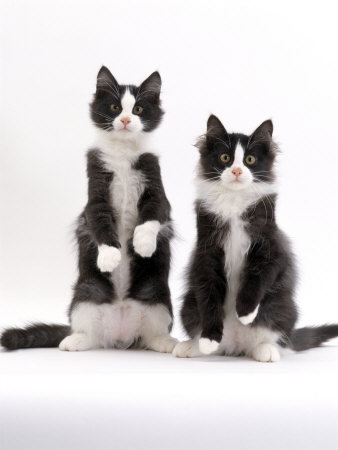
{"points": [[186, 349], [208, 346], [266, 353], [108, 258], [162, 344], [249, 318], [76, 342]]}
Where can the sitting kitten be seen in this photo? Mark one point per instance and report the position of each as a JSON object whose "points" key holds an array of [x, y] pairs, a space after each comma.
{"points": [[122, 296], [241, 278]]}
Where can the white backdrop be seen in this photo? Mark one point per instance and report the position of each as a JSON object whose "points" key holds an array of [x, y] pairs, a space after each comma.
{"points": [[242, 60]]}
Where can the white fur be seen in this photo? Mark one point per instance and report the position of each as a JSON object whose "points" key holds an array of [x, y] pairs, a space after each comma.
{"points": [[135, 124], [229, 204], [246, 320], [229, 179], [76, 342], [207, 346], [187, 349], [266, 353], [108, 258], [225, 202], [119, 325], [145, 237]]}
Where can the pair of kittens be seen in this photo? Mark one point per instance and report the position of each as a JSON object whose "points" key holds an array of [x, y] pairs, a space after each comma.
{"points": [[241, 277]]}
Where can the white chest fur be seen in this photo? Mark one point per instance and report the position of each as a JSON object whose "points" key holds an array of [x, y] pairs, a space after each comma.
{"points": [[125, 191]]}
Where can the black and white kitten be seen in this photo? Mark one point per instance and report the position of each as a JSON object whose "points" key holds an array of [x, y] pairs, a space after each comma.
{"points": [[241, 277], [122, 296]]}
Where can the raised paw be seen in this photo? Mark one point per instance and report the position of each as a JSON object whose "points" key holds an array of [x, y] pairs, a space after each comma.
{"points": [[207, 346], [162, 344], [76, 342], [145, 238], [266, 353], [108, 258], [249, 318]]}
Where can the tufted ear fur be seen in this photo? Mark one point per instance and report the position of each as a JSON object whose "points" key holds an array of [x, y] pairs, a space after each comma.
{"points": [[151, 87], [106, 82], [215, 131], [263, 132]]}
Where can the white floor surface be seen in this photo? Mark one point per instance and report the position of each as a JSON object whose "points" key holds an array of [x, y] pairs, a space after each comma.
{"points": [[121, 400]]}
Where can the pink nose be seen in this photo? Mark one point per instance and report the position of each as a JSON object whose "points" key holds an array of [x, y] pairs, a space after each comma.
{"points": [[125, 121], [237, 171]]}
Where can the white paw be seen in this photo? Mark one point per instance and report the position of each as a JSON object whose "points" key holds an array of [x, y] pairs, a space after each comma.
{"points": [[76, 342], [246, 320], [184, 349], [266, 353], [162, 344], [145, 238], [108, 258], [207, 346]]}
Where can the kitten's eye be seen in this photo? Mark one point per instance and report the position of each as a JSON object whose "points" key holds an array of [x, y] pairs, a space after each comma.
{"points": [[250, 159], [225, 158], [115, 108], [138, 110]]}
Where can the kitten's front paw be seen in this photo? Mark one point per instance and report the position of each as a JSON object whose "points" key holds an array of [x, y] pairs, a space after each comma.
{"points": [[108, 258], [145, 238], [207, 346], [249, 318]]}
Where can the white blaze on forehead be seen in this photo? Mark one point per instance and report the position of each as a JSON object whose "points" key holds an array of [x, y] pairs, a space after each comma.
{"points": [[239, 156], [127, 103]]}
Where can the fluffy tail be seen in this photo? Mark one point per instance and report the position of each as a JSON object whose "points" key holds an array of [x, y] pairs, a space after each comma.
{"points": [[310, 337], [36, 335]]}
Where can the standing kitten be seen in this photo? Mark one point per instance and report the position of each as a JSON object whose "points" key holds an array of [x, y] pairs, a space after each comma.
{"points": [[241, 278], [122, 296]]}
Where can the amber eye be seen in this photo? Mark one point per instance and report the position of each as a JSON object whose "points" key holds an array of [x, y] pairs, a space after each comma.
{"points": [[115, 108], [250, 159], [225, 158], [138, 110]]}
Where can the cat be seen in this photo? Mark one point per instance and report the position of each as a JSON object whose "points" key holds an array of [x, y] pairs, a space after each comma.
{"points": [[241, 278], [121, 298]]}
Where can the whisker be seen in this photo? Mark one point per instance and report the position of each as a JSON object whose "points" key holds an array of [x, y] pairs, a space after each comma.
{"points": [[115, 89], [103, 115]]}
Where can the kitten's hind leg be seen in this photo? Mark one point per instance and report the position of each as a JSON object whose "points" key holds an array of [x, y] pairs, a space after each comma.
{"points": [[187, 349], [266, 352], [163, 343], [76, 342], [155, 329]]}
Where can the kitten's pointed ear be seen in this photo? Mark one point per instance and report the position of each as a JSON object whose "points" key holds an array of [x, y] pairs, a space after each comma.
{"points": [[151, 87], [263, 132], [215, 130], [215, 126], [106, 81]]}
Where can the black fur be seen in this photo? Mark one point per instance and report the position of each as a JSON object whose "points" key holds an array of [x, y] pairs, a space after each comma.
{"points": [[149, 276], [37, 335], [109, 91], [203, 304], [97, 223], [269, 276]]}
